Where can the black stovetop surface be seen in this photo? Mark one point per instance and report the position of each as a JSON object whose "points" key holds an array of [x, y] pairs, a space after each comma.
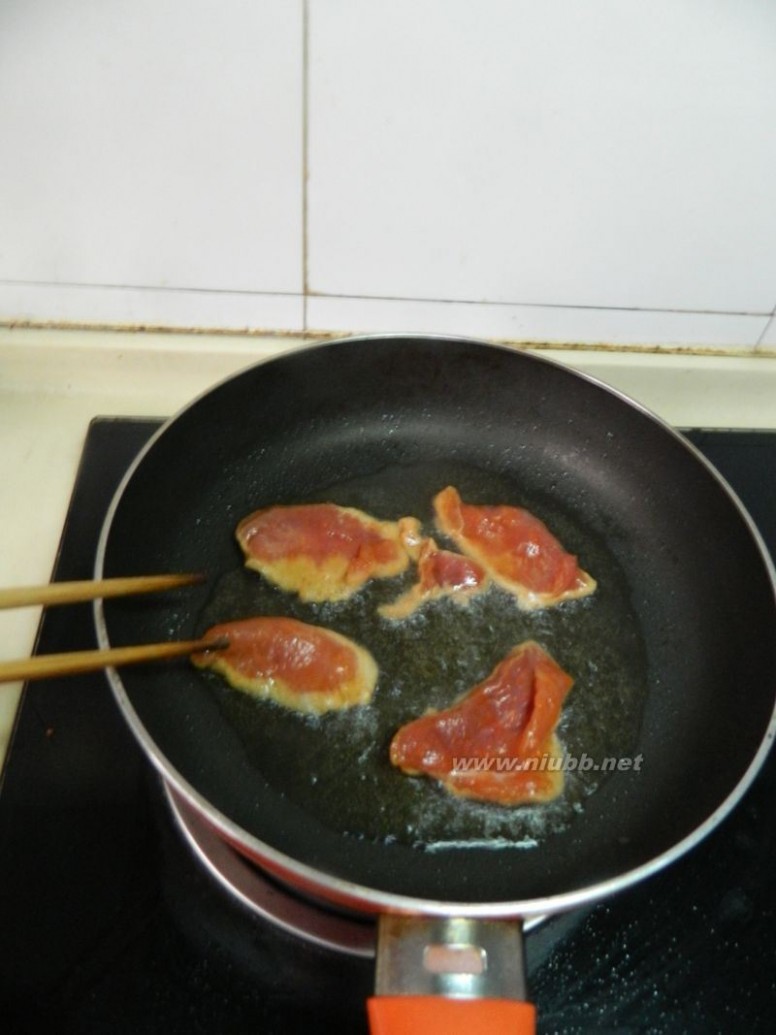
{"points": [[108, 923]]}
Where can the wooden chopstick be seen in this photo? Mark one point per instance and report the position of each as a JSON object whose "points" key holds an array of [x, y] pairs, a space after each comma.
{"points": [[49, 666], [77, 592]]}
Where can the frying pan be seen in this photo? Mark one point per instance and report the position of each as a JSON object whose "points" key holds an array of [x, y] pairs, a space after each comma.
{"points": [[674, 656]]}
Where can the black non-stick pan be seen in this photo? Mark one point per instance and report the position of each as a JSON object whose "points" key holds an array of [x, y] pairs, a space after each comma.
{"points": [[673, 657]]}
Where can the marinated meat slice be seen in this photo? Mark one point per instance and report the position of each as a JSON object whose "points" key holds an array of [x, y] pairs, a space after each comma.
{"points": [[441, 573], [303, 667], [322, 551], [497, 743], [516, 549]]}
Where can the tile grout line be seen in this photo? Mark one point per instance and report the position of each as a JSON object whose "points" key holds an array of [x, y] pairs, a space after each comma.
{"points": [[769, 321], [412, 299]]}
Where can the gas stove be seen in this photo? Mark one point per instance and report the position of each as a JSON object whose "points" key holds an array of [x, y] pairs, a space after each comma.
{"points": [[120, 913]]}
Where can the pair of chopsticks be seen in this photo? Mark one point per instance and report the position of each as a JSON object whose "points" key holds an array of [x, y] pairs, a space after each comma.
{"points": [[46, 666]]}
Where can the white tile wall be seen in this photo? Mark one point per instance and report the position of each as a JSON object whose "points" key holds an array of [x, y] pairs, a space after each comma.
{"points": [[152, 145], [598, 172], [528, 323], [175, 307]]}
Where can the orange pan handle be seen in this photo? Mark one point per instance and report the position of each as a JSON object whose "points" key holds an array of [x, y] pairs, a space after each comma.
{"points": [[434, 1015], [449, 976]]}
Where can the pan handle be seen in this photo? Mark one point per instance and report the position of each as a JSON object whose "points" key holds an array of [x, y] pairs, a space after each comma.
{"points": [[433, 1015], [449, 975]]}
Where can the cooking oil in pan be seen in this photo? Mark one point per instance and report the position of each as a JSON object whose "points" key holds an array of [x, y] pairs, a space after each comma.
{"points": [[337, 766]]}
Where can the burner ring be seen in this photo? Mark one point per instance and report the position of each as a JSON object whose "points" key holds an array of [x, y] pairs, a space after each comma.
{"points": [[270, 901]]}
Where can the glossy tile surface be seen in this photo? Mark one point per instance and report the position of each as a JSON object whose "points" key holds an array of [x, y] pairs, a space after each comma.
{"points": [[594, 174], [555, 324], [154, 145], [611, 154]]}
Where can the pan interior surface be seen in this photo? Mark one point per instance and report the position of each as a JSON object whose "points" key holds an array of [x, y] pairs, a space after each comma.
{"points": [[343, 776], [665, 654]]}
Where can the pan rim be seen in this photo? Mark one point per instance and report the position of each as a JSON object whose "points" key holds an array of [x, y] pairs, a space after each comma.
{"points": [[362, 896]]}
